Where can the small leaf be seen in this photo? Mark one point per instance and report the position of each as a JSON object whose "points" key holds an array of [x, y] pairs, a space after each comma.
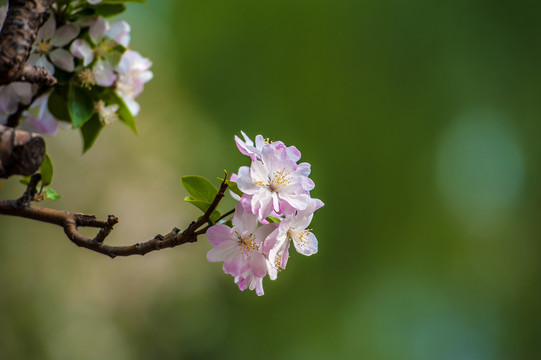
{"points": [[273, 219], [199, 188], [108, 10], [58, 103], [90, 131], [203, 206], [46, 171], [80, 106], [51, 194]]}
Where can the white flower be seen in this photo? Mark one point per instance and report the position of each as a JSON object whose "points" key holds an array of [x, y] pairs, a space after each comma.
{"points": [[49, 46], [94, 2], [107, 114], [275, 182], [104, 37], [133, 72]]}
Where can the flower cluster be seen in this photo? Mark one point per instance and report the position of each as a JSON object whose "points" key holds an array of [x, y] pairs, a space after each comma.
{"points": [[274, 210], [98, 75]]}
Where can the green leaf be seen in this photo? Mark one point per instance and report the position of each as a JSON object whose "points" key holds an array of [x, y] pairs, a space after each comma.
{"points": [[46, 171], [80, 105], [203, 206], [58, 103], [109, 96], [108, 10], [199, 188], [90, 131], [51, 194], [273, 219]]}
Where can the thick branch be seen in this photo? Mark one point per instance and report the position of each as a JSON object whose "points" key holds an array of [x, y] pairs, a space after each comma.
{"points": [[23, 20], [21, 152], [71, 221]]}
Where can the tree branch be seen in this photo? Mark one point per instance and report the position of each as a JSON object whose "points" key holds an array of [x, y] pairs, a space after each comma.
{"points": [[70, 222], [21, 152], [23, 20]]}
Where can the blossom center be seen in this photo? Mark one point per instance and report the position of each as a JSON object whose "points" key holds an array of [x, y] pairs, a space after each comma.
{"points": [[300, 237], [87, 78], [247, 243], [44, 47], [104, 48], [279, 180], [107, 114]]}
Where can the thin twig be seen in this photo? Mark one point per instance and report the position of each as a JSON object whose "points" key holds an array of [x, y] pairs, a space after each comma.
{"points": [[70, 222]]}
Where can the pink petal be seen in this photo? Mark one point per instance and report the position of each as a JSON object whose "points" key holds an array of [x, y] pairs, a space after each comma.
{"points": [[219, 233]]}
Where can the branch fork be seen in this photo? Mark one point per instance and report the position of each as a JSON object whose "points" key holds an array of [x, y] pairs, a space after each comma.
{"points": [[70, 222]]}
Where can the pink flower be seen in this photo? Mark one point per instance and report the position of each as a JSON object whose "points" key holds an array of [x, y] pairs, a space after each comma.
{"points": [[294, 228], [275, 182], [240, 248], [247, 147]]}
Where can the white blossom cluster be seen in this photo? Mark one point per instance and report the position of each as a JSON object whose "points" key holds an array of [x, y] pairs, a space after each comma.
{"points": [[87, 52]]}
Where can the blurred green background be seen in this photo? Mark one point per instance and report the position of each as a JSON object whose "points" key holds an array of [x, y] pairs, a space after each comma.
{"points": [[421, 120]]}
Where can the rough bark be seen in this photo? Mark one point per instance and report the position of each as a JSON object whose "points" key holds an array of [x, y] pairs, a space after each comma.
{"points": [[23, 20], [21, 152]]}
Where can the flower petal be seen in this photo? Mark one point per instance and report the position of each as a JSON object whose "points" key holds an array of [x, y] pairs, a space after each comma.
{"points": [[64, 35], [47, 30], [219, 233], [97, 30], [120, 33], [63, 59], [80, 49]]}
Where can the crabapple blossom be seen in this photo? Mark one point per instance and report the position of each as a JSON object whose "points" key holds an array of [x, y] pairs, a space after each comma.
{"points": [[49, 44], [247, 147], [105, 38], [294, 228], [240, 248], [275, 182], [133, 72]]}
